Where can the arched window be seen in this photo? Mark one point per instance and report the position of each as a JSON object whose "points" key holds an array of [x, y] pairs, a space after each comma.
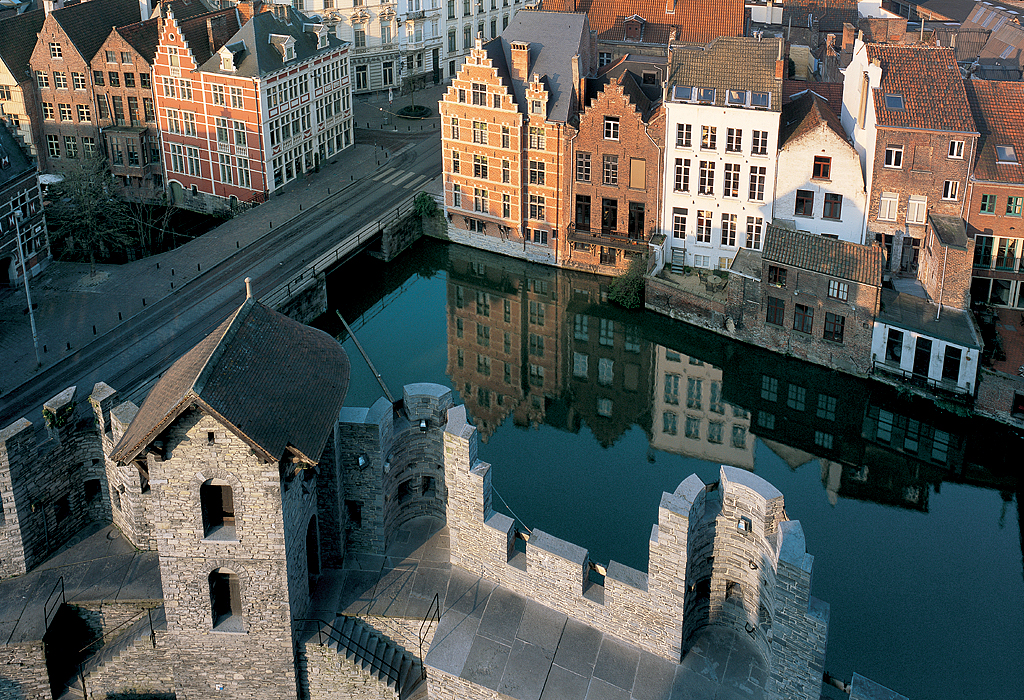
{"points": [[225, 600], [218, 506]]}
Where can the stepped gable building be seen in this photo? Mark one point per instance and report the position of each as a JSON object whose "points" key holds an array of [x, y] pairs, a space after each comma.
{"points": [[60, 61], [647, 26], [819, 186], [122, 83], [247, 105], [21, 214], [995, 193], [907, 111], [511, 112], [18, 99], [616, 184], [723, 104], [815, 296]]}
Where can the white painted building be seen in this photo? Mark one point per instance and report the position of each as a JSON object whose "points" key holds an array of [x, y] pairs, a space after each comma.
{"points": [[465, 20], [723, 102], [819, 185]]}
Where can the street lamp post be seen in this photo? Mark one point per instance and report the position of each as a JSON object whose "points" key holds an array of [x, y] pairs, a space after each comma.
{"points": [[24, 277]]}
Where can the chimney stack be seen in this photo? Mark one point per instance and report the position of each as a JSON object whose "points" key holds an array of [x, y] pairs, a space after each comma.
{"points": [[520, 60], [780, 64], [849, 34]]}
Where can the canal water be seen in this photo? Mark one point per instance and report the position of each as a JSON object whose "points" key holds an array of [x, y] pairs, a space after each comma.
{"points": [[588, 413]]}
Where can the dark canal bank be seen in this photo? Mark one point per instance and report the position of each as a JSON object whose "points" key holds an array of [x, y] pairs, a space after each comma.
{"points": [[588, 413]]}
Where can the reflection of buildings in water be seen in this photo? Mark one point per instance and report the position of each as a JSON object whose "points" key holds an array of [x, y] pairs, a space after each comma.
{"points": [[503, 340], [690, 415]]}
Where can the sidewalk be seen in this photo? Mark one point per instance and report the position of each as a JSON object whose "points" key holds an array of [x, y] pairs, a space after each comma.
{"points": [[73, 308]]}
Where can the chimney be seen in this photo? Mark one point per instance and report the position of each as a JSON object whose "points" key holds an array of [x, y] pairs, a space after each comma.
{"points": [[577, 83], [209, 34], [830, 42], [849, 34], [780, 64], [520, 60], [670, 7]]}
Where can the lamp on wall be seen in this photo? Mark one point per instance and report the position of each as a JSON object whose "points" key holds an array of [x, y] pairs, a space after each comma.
{"points": [[362, 461], [743, 525], [423, 425]]}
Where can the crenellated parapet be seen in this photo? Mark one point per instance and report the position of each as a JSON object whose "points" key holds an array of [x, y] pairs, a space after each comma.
{"points": [[722, 554]]}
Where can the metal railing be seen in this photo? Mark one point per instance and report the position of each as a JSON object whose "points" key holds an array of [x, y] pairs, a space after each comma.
{"points": [[53, 603], [327, 631], [433, 616]]}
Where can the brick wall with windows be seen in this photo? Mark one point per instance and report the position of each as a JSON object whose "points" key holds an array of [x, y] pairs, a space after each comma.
{"points": [[996, 225]]}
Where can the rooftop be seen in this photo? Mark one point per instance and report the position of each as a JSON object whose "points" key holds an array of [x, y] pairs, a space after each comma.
{"points": [[808, 114], [729, 63], [997, 108], [88, 24], [13, 161], [696, 21], [827, 256], [19, 33], [916, 314], [928, 82], [829, 15]]}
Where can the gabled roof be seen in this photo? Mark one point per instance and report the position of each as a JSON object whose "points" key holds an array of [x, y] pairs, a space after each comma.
{"points": [[260, 55], [184, 8], [999, 114], [729, 63], [929, 81], [829, 15], [88, 24], [19, 39], [272, 381], [808, 114], [198, 30], [694, 21], [14, 162], [831, 93], [827, 256], [554, 39], [143, 37], [1005, 46]]}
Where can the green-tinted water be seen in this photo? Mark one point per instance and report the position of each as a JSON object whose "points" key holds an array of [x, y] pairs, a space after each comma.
{"points": [[588, 413]]}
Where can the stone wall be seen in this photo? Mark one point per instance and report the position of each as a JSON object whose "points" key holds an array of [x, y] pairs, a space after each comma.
{"points": [[332, 676], [140, 670], [996, 395], [513, 249], [444, 686], [309, 302], [23, 672], [667, 299]]}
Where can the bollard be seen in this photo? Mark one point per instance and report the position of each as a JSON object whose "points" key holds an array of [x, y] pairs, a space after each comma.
{"points": [[236, 244], [172, 272], [143, 301], [44, 349], [118, 315], [328, 190], [199, 267], [172, 285], [69, 345], [158, 265], [94, 330], [271, 224], [300, 207]]}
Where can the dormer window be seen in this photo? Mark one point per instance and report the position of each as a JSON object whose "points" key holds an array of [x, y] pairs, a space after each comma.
{"points": [[759, 99], [682, 93], [737, 97], [705, 95], [1006, 154], [894, 103], [285, 43], [289, 53]]}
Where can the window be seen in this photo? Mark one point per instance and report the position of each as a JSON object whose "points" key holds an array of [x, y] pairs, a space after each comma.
{"points": [[887, 205], [732, 180], [506, 206], [715, 432], [65, 112], [754, 226], [917, 209], [455, 128], [838, 290], [43, 79], [583, 167], [78, 81], [225, 600], [83, 113], [822, 167], [5, 93], [950, 189], [360, 37], [827, 407], [115, 78], [759, 143], [894, 157], [951, 363], [611, 128], [709, 137], [479, 94], [89, 145], [797, 397], [734, 140], [804, 203], [803, 318], [48, 111], [144, 81], [1013, 205], [70, 147], [452, 47], [737, 97], [739, 437], [536, 107], [129, 80], [956, 149], [537, 137], [604, 58], [834, 327], [479, 200], [759, 100], [635, 222], [225, 168], [480, 166], [218, 510], [456, 196], [703, 226], [55, 50], [236, 97], [222, 130], [536, 172], [894, 102], [692, 427], [777, 276], [728, 229], [60, 80], [706, 185], [988, 204], [682, 175], [506, 137], [1006, 154], [678, 223], [669, 423], [536, 208], [776, 311], [757, 177], [609, 215], [705, 94], [610, 170], [833, 206], [769, 388], [684, 135], [506, 171]]}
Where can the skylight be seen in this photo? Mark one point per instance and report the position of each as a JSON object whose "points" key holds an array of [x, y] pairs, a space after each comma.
{"points": [[682, 93], [894, 103], [1006, 154], [759, 99], [705, 94], [737, 97]]}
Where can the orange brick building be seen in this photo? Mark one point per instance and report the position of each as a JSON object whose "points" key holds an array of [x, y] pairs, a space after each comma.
{"points": [[506, 128]]}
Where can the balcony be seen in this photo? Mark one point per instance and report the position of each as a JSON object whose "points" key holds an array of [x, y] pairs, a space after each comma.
{"points": [[607, 239]]}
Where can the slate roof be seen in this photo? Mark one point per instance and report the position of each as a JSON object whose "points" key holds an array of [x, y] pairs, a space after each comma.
{"points": [[19, 40], [999, 114], [827, 256], [143, 37], [88, 24], [272, 381], [260, 56], [830, 14], [695, 21], [950, 230], [17, 162], [952, 10], [225, 23], [929, 80], [729, 63], [805, 115], [554, 39], [916, 314], [184, 8]]}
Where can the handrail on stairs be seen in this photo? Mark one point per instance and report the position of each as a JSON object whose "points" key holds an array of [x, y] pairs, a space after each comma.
{"points": [[56, 600], [433, 615], [353, 644]]}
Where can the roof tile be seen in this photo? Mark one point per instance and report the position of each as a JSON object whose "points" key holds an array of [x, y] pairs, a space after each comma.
{"points": [[828, 256], [997, 108], [695, 21]]}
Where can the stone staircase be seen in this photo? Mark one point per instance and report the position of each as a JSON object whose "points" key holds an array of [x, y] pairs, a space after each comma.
{"points": [[377, 655], [678, 260]]}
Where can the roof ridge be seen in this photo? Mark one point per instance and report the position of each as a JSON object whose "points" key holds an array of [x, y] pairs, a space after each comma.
{"points": [[232, 329]]}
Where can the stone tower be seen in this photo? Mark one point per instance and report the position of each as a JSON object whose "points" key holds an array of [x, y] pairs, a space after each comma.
{"points": [[230, 440]]}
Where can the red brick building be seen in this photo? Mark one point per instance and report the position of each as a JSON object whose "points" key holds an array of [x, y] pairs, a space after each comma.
{"points": [[248, 102], [616, 181], [506, 127], [995, 192], [60, 62]]}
